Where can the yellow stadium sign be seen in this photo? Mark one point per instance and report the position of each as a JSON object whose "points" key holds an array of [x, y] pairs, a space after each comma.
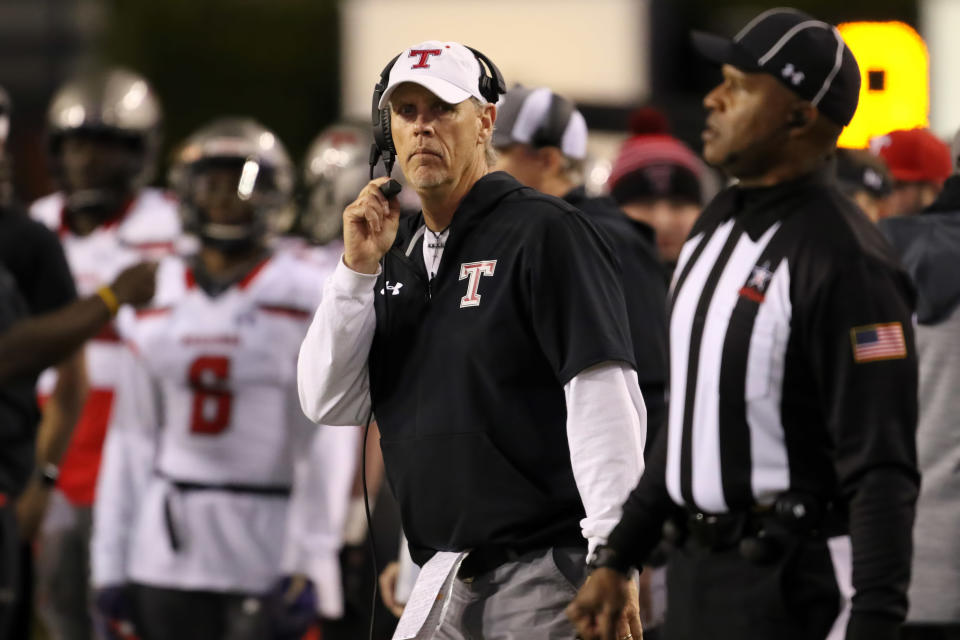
{"points": [[895, 80]]}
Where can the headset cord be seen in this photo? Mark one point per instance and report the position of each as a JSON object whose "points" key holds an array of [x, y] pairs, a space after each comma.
{"points": [[363, 464], [366, 508]]}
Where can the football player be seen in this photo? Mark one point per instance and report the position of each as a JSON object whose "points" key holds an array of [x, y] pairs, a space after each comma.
{"points": [[335, 168], [104, 133], [215, 487]]}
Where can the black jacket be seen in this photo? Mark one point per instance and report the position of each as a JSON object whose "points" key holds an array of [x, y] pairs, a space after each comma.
{"points": [[929, 247], [34, 279], [467, 370], [644, 288]]}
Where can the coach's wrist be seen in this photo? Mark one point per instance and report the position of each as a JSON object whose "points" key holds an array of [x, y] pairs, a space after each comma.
{"points": [[361, 266], [605, 557]]}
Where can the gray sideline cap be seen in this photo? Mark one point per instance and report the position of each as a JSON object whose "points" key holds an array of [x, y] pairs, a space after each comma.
{"points": [[540, 118]]}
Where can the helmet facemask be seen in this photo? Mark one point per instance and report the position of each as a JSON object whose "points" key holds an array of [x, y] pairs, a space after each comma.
{"points": [[234, 180], [98, 170]]}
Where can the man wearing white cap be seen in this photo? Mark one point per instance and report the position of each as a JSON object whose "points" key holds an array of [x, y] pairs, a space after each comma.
{"points": [[489, 336], [541, 140]]}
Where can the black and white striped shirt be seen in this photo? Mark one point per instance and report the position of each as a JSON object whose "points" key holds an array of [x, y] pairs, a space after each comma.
{"points": [[792, 368]]}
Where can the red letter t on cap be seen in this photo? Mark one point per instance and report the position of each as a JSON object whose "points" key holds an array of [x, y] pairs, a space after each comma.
{"points": [[424, 56]]}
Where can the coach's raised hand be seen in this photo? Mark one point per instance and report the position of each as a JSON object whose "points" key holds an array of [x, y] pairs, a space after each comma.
{"points": [[369, 228]]}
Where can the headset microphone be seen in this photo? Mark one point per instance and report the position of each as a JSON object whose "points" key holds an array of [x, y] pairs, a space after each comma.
{"points": [[390, 188]]}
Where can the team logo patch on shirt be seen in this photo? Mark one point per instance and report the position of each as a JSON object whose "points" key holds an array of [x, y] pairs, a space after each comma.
{"points": [[874, 342], [756, 285], [472, 271]]}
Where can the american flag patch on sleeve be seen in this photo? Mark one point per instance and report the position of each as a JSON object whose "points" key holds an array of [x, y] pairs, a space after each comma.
{"points": [[878, 342]]}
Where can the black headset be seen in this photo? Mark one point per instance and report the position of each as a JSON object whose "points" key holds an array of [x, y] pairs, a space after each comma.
{"points": [[491, 86]]}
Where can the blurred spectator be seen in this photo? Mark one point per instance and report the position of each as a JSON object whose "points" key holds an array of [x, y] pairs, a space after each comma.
{"points": [[104, 136], [865, 178], [658, 180], [929, 246], [541, 140], [919, 163]]}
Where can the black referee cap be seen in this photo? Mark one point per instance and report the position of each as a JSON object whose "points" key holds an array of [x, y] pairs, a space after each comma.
{"points": [[807, 55]]}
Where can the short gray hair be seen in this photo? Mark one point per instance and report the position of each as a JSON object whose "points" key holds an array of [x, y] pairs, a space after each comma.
{"points": [[490, 154]]}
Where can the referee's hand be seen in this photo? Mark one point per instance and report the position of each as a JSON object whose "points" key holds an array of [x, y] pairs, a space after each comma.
{"points": [[604, 608], [369, 228]]}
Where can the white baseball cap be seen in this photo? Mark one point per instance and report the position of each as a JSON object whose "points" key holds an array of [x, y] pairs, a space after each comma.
{"points": [[448, 69]]}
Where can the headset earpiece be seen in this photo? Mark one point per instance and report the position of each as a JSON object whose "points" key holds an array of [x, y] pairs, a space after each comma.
{"points": [[798, 119], [380, 119], [492, 84]]}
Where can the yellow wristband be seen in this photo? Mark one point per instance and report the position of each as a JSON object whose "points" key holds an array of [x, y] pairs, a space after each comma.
{"points": [[109, 298]]}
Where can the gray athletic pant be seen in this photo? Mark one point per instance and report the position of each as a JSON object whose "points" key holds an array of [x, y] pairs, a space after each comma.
{"points": [[63, 573], [520, 600]]}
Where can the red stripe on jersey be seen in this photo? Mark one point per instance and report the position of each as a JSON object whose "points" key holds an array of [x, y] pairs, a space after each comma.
{"points": [[81, 463], [292, 312], [108, 334], [117, 219], [155, 311], [247, 279], [243, 284], [106, 224]]}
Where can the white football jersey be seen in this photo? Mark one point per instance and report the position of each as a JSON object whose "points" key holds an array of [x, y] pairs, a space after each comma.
{"points": [[212, 478], [148, 230], [324, 257]]}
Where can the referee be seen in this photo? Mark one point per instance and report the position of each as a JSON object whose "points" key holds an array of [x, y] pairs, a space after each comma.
{"points": [[788, 469]]}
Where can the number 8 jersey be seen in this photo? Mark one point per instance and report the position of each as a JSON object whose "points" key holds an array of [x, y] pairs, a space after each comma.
{"points": [[212, 478]]}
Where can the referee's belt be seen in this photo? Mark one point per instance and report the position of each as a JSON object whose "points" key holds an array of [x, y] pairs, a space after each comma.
{"points": [[792, 514], [269, 491]]}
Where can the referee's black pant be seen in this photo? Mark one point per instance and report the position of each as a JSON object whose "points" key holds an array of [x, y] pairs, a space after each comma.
{"points": [[720, 594]]}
